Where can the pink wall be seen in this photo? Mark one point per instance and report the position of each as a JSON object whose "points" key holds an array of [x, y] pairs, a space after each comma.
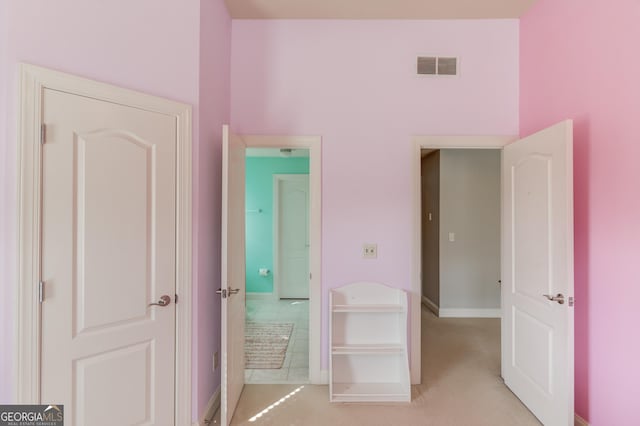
{"points": [[154, 47], [354, 83], [576, 62], [215, 56]]}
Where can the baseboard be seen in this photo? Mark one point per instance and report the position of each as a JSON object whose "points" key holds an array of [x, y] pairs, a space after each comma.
{"points": [[324, 377], [470, 313], [580, 421], [430, 305], [210, 410], [260, 296]]}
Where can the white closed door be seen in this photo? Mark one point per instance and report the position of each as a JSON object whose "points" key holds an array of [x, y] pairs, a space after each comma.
{"points": [[233, 273], [292, 228], [108, 250], [537, 265]]}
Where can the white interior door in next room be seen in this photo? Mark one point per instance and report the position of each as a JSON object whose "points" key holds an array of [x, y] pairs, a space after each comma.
{"points": [[233, 273], [108, 250], [537, 273], [291, 193]]}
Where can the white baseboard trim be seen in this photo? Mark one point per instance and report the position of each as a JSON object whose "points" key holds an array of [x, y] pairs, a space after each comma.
{"points": [[580, 421], [470, 313], [324, 377], [210, 410], [260, 296], [430, 305]]}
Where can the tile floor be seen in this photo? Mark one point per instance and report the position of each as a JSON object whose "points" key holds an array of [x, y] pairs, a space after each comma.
{"points": [[296, 363]]}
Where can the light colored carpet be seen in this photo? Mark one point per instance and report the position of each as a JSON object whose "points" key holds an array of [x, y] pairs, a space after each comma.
{"points": [[461, 386], [265, 344]]}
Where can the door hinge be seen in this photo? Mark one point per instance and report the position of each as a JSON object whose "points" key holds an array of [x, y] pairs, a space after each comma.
{"points": [[41, 291], [43, 133], [310, 276], [176, 299], [222, 292], [571, 301]]}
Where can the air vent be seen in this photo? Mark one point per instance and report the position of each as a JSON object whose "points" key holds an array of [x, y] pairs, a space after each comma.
{"points": [[447, 66], [427, 65], [431, 65]]}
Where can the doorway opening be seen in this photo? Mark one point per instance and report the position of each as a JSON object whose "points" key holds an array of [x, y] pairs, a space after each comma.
{"points": [[424, 145], [277, 265], [460, 221]]}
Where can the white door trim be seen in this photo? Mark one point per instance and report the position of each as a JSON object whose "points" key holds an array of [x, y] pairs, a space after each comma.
{"points": [[433, 142], [276, 228], [314, 145], [33, 81]]}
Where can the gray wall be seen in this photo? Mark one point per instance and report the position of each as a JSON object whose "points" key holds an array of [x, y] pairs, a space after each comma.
{"points": [[430, 170], [470, 208]]}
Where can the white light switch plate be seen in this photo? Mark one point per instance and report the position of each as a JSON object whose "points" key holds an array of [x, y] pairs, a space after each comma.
{"points": [[452, 236]]}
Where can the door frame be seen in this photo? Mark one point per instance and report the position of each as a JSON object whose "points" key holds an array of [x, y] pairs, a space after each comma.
{"points": [[314, 145], [33, 81], [433, 142], [277, 178]]}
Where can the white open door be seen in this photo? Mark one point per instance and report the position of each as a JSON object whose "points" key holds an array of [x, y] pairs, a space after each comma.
{"points": [[537, 265], [233, 273]]}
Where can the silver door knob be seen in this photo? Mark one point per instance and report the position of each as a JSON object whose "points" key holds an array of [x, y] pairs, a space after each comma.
{"points": [[558, 298], [227, 292], [164, 301]]}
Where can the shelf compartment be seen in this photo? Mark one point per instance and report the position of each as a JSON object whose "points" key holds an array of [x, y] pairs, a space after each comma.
{"points": [[361, 392], [367, 308], [367, 367], [367, 349], [367, 328]]}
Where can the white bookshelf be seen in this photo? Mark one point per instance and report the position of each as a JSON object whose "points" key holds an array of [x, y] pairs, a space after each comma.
{"points": [[368, 340]]}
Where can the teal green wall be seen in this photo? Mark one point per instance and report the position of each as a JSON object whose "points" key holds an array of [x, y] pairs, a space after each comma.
{"points": [[259, 226]]}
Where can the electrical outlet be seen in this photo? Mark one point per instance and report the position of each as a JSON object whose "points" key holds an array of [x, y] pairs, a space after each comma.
{"points": [[369, 251], [215, 361]]}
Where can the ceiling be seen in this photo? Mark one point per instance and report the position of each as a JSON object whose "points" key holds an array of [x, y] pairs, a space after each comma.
{"points": [[377, 9]]}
